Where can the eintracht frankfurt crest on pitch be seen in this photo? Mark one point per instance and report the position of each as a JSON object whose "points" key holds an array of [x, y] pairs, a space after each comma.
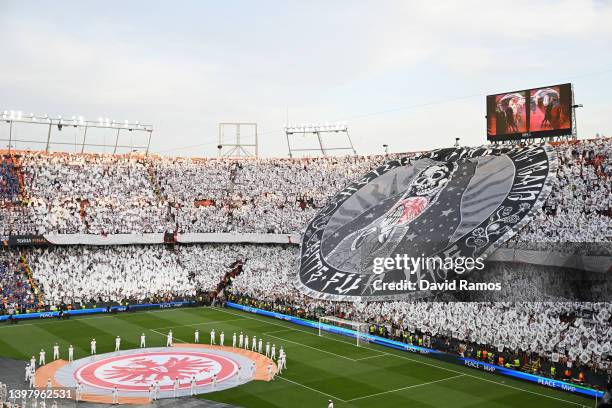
{"points": [[139, 371], [448, 203]]}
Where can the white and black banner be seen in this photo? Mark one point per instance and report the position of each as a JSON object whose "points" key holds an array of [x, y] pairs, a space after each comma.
{"points": [[451, 203]]}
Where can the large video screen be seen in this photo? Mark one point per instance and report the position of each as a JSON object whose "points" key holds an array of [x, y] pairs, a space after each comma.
{"points": [[537, 112]]}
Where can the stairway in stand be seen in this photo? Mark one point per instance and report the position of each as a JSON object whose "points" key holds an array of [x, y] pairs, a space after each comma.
{"points": [[23, 262], [226, 281]]}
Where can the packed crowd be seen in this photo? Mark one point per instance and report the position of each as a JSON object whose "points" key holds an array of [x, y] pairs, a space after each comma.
{"points": [[104, 194], [15, 289], [579, 208], [132, 273]]}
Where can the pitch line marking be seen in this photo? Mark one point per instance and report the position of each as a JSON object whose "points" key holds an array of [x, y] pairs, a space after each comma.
{"points": [[314, 348], [199, 324], [417, 361], [277, 331], [366, 358], [405, 388], [311, 389], [165, 335]]}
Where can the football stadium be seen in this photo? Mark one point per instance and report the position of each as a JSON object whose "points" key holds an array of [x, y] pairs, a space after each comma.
{"points": [[322, 205]]}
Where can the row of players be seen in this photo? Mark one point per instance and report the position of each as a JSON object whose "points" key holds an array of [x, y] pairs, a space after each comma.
{"points": [[238, 341]]}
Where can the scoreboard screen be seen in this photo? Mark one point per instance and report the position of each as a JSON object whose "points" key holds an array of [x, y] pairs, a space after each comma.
{"points": [[536, 112]]}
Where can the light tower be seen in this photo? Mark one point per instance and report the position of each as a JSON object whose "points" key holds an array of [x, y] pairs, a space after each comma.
{"points": [[238, 139], [320, 131], [81, 126]]}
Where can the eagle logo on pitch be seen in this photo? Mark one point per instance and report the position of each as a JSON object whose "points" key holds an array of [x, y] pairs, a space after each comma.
{"points": [[146, 371]]}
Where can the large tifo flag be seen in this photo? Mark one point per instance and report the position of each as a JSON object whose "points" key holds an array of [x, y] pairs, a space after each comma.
{"points": [[448, 203]]}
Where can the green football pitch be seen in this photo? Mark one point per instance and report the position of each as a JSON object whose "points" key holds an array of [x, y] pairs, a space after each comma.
{"points": [[319, 368]]}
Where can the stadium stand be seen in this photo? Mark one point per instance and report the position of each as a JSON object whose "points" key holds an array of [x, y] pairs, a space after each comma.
{"points": [[104, 194]]}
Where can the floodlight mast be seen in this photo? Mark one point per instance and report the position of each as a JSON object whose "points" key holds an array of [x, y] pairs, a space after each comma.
{"points": [[319, 131], [237, 147], [12, 118]]}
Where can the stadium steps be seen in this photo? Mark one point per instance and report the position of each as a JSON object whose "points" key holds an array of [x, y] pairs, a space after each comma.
{"points": [[227, 279], [154, 181], [12, 169], [23, 261], [532, 366], [22, 188]]}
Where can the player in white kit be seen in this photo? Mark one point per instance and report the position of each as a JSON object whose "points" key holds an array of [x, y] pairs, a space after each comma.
{"points": [[246, 342], [221, 339], [234, 340], [115, 395], [143, 341], [41, 357], [93, 347], [156, 390], [212, 337], [117, 343], [240, 340], [260, 346], [32, 379], [169, 339], [254, 344], [267, 349], [70, 353], [79, 391], [196, 336], [273, 354], [56, 351], [176, 387], [270, 372], [193, 386]]}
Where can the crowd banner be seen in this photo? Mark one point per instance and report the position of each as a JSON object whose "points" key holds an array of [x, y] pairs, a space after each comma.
{"points": [[231, 237], [26, 240], [133, 239], [110, 239], [490, 368], [95, 310]]}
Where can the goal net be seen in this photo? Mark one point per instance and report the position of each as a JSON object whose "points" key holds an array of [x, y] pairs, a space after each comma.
{"points": [[335, 325]]}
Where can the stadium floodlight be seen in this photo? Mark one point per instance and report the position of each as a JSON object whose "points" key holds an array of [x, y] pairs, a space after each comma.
{"points": [[318, 129], [238, 139], [16, 116]]}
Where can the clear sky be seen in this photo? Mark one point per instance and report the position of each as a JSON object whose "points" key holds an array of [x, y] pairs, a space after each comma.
{"points": [[410, 74]]}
